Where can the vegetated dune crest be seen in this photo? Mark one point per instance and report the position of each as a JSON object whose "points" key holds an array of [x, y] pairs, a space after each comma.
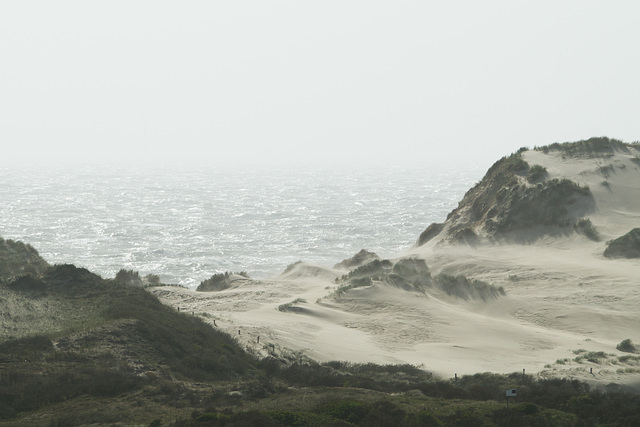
{"points": [[518, 295]]}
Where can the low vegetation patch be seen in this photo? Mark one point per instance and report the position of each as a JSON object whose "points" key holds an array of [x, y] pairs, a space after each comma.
{"points": [[627, 346], [598, 357], [128, 277], [18, 259], [627, 246], [290, 306], [219, 282], [373, 270], [465, 288], [413, 274], [585, 227], [592, 147], [359, 259], [291, 266], [536, 174], [500, 205], [606, 170]]}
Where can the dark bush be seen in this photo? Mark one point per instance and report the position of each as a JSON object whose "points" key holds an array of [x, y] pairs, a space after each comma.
{"points": [[627, 346], [467, 418], [536, 174], [424, 419], [373, 268], [384, 414], [220, 281], [27, 346], [128, 277], [627, 246], [18, 258], [27, 283], [208, 417], [351, 411], [585, 227]]}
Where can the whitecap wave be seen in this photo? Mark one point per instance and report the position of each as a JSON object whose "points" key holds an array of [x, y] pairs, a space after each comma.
{"points": [[187, 226]]}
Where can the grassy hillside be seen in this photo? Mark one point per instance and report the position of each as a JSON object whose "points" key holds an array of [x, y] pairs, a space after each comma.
{"points": [[68, 333]]}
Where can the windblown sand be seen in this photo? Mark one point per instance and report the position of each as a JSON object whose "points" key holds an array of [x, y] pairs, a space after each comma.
{"points": [[563, 300]]}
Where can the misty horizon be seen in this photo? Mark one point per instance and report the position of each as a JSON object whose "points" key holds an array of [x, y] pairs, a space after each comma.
{"points": [[284, 83]]}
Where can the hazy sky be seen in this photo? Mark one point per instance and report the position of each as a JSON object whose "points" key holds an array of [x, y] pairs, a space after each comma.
{"points": [[352, 81]]}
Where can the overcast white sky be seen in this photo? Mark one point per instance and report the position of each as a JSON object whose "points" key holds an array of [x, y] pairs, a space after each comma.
{"points": [[361, 81]]}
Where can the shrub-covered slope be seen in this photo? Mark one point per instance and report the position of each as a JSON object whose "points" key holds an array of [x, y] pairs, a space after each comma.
{"points": [[68, 333], [518, 202], [18, 258]]}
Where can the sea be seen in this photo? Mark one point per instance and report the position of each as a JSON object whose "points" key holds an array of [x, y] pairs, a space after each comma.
{"points": [[186, 224]]}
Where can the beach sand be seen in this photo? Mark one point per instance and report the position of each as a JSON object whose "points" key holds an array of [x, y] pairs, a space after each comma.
{"points": [[566, 306]]}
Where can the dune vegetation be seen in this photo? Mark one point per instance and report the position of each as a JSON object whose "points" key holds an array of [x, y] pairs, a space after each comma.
{"points": [[128, 359], [626, 246]]}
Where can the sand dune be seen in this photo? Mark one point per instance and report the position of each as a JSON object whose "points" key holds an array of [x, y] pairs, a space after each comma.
{"points": [[564, 304]]}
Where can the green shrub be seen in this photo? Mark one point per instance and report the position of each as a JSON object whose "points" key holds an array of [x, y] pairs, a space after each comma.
{"points": [[424, 419], [627, 346], [373, 268], [467, 418], [291, 266], [219, 281], [384, 413], [592, 147], [516, 164], [605, 171], [27, 346], [413, 271], [627, 246], [536, 173], [18, 258], [152, 279], [585, 227], [213, 416], [291, 418], [465, 288], [128, 277], [27, 283], [351, 411]]}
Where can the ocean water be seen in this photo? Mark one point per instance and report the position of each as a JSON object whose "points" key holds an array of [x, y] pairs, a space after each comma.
{"points": [[186, 225]]}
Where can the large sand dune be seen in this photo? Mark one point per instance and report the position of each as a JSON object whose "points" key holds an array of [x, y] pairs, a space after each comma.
{"points": [[566, 306]]}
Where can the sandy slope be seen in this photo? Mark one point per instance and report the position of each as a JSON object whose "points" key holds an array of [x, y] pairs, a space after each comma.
{"points": [[564, 299]]}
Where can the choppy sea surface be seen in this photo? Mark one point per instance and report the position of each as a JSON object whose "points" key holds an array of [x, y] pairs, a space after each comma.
{"points": [[186, 225]]}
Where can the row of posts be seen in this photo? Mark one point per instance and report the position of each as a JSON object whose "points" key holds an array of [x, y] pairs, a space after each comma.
{"points": [[273, 347]]}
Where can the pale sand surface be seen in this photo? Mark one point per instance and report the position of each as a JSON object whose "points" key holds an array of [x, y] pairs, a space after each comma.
{"points": [[562, 298]]}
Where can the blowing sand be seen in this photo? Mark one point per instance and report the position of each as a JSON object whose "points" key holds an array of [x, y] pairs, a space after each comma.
{"points": [[565, 310]]}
